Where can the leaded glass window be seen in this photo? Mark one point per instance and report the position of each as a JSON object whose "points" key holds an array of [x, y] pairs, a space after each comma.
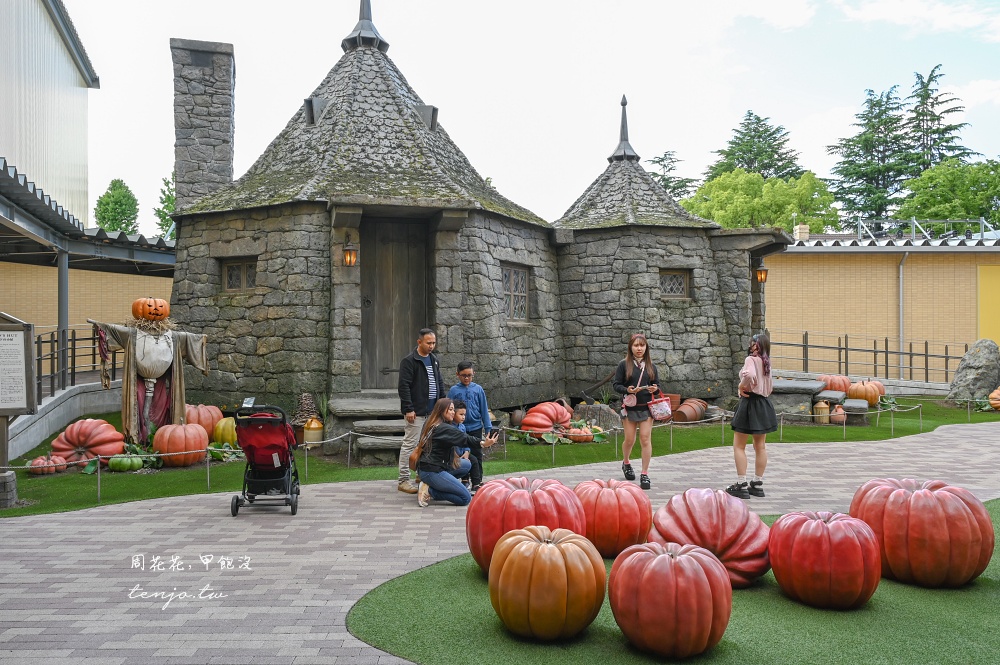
{"points": [[239, 275], [675, 284], [515, 293]]}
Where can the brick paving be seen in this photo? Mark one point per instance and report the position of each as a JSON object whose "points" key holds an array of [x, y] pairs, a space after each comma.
{"points": [[65, 579]]}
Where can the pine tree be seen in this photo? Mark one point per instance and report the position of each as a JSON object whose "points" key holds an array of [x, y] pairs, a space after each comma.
{"points": [[168, 201], [117, 208], [757, 147], [677, 187], [875, 162], [933, 138]]}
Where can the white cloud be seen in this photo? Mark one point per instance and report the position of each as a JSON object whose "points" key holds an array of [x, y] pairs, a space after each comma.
{"points": [[781, 14], [926, 16], [977, 93]]}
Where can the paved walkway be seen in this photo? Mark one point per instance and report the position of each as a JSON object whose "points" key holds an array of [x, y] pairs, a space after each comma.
{"points": [[66, 579]]}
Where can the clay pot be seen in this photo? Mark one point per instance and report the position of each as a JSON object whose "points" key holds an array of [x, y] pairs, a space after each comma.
{"points": [[686, 413], [675, 400], [515, 418]]}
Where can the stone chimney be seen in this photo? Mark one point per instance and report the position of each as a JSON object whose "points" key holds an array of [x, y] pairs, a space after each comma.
{"points": [[800, 232], [204, 82]]}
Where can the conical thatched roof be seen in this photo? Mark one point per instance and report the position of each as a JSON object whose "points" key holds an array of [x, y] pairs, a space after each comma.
{"points": [[368, 139], [626, 194]]}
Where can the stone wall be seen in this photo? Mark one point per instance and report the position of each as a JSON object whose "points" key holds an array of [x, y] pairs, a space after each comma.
{"points": [[517, 362], [271, 341], [204, 82], [610, 285]]}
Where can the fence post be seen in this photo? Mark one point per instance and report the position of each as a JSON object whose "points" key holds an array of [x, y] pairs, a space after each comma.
{"points": [[946, 364], [887, 358], [927, 361], [875, 358], [911, 361], [847, 370], [839, 357], [72, 359], [805, 351], [38, 367], [53, 362]]}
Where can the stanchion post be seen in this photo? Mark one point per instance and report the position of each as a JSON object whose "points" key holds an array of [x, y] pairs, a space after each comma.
{"points": [[921, 411], [671, 435], [307, 462], [722, 421], [781, 430], [553, 454], [350, 442], [892, 422], [208, 474], [968, 409], [616, 443], [844, 426], [98, 479]]}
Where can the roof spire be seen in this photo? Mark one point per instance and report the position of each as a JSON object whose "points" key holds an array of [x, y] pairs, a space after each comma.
{"points": [[624, 150], [364, 33]]}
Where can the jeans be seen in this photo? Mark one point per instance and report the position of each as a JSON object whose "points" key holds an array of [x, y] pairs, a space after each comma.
{"points": [[411, 435], [476, 455], [446, 486]]}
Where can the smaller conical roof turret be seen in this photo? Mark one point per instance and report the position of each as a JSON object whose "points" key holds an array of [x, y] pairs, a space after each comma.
{"points": [[624, 149], [364, 33]]}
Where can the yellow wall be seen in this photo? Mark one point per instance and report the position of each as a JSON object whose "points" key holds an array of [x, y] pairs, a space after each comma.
{"points": [[833, 294], [30, 293], [989, 301]]}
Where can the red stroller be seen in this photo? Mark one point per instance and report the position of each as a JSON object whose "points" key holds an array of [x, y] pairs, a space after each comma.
{"points": [[267, 441]]}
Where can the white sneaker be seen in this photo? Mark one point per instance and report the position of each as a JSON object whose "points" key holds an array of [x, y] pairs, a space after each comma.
{"points": [[407, 486], [423, 495]]}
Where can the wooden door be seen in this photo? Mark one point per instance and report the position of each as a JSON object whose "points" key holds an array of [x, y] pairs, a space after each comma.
{"points": [[394, 269]]}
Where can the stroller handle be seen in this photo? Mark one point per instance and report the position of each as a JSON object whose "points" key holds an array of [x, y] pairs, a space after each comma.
{"points": [[245, 413]]}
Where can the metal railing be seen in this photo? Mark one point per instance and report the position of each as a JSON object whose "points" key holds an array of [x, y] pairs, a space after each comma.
{"points": [[60, 364], [918, 361]]}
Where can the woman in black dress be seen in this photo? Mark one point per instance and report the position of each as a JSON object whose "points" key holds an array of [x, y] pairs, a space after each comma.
{"points": [[635, 379]]}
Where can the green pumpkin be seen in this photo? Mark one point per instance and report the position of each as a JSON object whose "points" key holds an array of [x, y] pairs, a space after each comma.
{"points": [[119, 463], [135, 462]]}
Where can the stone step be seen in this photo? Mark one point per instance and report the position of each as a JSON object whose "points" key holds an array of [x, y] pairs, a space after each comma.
{"points": [[379, 426], [831, 397], [361, 407], [378, 443]]}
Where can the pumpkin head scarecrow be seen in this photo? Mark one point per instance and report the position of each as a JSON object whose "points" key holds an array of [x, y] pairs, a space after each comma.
{"points": [[153, 381]]}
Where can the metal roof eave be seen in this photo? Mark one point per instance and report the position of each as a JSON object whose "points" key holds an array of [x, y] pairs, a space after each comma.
{"points": [[971, 246], [67, 31]]}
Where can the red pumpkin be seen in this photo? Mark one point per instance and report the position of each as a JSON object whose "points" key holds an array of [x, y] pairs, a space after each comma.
{"points": [[557, 413], [864, 390], [720, 523], [930, 533], [545, 584], [504, 505], [151, 309], [206, 416], [86, 439], [536, 423], [618, 514], [180, 439], [836, 382], [826, 560], [669, 599]]}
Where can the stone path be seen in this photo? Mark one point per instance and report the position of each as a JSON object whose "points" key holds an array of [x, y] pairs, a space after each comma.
{"points": [[66, 579]]}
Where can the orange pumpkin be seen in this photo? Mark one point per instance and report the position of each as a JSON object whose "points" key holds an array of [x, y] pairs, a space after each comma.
{"points": [[537, 424], [191, 439], [86, 439], [206, 416], [864, 390], [579, 434], [995, 399], [152, 309], [879, 385], [836, 382], [557, 413], [44, 464]]}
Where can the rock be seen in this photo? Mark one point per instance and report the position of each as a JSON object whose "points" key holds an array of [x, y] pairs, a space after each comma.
{"points": [[979, 372], [601, 415]]}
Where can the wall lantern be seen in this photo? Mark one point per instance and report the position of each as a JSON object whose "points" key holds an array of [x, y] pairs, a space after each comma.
{"points": [[350, 252], [759, 271]]}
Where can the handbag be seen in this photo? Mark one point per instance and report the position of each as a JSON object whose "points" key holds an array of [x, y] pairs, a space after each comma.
{"points": [[659, 408], [629, 399]]}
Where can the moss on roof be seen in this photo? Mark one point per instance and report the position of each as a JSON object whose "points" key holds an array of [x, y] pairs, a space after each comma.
{"points": [[626, 194], [368, 145]]}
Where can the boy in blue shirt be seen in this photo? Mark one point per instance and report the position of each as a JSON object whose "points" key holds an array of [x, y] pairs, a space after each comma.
{"points": [[456, 452], [477, 415]]}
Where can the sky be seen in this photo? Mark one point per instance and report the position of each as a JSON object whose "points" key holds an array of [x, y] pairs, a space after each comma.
{"points": [[530, 90]]}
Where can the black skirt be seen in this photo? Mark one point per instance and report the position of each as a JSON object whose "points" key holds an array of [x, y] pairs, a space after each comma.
{"points": [[754, 415]]}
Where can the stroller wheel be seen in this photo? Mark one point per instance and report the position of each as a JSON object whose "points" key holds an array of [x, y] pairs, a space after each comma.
{"points": [[234, 505], [295, 488], [295, 503]]}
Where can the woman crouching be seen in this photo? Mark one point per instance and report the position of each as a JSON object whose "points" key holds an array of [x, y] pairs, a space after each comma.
{"points": [[439, 470]]}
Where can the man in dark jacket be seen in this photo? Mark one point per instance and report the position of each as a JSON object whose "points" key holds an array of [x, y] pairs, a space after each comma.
{"points": [[420, 386]]}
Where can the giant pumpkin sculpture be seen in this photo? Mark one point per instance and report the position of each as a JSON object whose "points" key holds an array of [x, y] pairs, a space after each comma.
{"points": [[835, 382], [545, 417], [672, 600], [86, 439], [930, 533], [827, 560], [865, 390], [546, 584], [618, 514], [504, 505], [206, 416], [720, 523], [190, 439], [995, 399]]}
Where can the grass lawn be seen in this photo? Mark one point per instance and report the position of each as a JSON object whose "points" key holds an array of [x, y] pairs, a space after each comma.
{"points": [[454, 624], [73, 490]]}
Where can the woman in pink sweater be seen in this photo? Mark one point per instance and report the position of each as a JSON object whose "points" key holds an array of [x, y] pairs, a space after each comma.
{"points": [[754, 417]]}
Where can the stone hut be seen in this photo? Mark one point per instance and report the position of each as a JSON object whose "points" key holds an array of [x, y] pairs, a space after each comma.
{"points": [[543, 309], [632, 260]]}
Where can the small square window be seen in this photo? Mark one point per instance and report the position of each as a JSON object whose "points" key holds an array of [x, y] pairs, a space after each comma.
{"points": [[675, 284], [515, 292], [239, 275]]}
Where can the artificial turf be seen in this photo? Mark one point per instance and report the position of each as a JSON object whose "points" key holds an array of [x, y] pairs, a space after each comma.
{"points": [[441, 615]]}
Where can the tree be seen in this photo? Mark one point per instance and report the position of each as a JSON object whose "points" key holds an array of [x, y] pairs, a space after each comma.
{"points": [[933, 139], [953, 190], [739, 199], [117, 208], [677, 187], [757, 147], [168, 201], [875, 162]]}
